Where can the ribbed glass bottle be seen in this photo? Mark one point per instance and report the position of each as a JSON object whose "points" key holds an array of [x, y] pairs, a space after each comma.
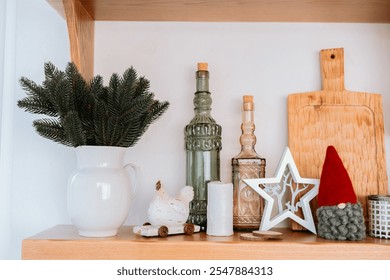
{"points": [[203, 144], [247, 204]]}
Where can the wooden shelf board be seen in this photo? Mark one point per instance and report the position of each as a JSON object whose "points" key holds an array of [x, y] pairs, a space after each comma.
{"points": [[63, 242], [373, 11]]}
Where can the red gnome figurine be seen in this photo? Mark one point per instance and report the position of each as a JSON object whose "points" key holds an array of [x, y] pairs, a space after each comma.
{"points": [[340, 215]]}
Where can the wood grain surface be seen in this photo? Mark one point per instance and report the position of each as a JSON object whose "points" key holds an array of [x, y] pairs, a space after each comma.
{"points": [[350, 121], [62, 242], [238, 10], [81, 29]]}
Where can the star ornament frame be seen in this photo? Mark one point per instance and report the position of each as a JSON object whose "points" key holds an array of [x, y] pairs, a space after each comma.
{"points": [[286, 179]]}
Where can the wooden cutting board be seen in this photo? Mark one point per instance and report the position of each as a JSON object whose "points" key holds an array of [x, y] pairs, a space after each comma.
{"points": [[350, 121]]}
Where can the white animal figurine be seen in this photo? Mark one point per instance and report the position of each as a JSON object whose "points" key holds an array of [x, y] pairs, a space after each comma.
{"points": [[165, 210]]}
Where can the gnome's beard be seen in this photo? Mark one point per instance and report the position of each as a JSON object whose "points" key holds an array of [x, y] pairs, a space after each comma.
{"points": [[341, 224]]}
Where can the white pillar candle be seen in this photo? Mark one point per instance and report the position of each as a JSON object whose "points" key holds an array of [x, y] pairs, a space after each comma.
{"points": [[219, 209]]}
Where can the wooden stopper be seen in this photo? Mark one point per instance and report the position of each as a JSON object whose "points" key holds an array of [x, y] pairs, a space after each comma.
{"points": [[203, 66], [248, 98], [248, 104]]}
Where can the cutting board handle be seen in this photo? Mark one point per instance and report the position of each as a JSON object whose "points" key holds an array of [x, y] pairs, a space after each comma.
{"points": [[332, 69]]}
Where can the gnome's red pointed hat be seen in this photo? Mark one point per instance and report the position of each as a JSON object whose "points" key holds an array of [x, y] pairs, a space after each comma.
{"points": [[340, 215], [335, 184]]}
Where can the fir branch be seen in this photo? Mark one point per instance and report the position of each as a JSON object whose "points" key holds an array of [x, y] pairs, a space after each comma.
{"points": [[136, 108], [61, 94], [112, 101], [127, 88], [51, 72], [100, 125], [96, 89], [158, 109], [51, 129], [37, 106], [143, 85], [91, 113], [131, 134], [38, 101], [74, 129], [85, 104], [30, 87]]}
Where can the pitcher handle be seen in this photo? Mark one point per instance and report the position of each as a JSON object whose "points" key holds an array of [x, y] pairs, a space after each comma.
{"points": [[135, 169]]}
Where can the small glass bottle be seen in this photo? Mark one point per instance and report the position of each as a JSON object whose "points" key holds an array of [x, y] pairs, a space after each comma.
{"points": [[203, 143], [247, 204]]}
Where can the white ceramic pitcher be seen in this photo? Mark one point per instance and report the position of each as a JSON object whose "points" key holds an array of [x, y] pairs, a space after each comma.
{"points": [[100, 190]]}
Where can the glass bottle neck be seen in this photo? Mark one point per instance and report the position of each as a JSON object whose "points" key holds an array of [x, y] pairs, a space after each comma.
{"points": [[202, 81], [202, 99], [248, 138]]}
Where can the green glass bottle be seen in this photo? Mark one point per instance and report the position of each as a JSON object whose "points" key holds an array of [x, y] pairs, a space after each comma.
{"points": [[203, 144]]}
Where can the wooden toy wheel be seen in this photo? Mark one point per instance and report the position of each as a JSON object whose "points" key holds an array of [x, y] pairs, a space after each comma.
{"points": [[163, 231], [189, 229]]}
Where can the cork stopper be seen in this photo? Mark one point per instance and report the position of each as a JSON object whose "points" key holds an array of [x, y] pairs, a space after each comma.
{"points": [[248, 104], [203, 66], [248, 98]]}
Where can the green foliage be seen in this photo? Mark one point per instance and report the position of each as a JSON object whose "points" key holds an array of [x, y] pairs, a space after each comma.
{"points": [[82, 113]]}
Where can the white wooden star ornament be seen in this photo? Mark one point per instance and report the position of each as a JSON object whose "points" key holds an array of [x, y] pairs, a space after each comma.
{"points": [[285, 186]]}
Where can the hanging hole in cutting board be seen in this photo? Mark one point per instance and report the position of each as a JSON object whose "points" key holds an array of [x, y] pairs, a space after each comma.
{"points": [[333, 56]]}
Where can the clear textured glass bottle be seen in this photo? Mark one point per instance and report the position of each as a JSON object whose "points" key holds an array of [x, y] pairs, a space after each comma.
{"points": [[203, 144], [247, 204]]}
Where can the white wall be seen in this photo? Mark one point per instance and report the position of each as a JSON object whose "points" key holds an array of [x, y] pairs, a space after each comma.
{"points": [[2, 45], [5, 126], [269, 60]]}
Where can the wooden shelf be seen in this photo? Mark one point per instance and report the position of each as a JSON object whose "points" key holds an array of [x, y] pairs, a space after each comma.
{"points": [[63, 242], [237, 10]]}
